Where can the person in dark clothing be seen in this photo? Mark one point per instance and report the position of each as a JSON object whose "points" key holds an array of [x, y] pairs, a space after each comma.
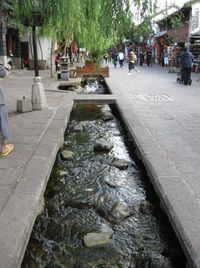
{"points": [[115, 57], [57, 61], [187, 59], [148, 57], [141, 58]]}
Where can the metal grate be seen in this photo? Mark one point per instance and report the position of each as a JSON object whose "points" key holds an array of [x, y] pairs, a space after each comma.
{"points": [[153, 97]]}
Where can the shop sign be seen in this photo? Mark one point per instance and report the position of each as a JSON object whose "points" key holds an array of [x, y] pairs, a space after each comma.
{"points": [[195, 20]]}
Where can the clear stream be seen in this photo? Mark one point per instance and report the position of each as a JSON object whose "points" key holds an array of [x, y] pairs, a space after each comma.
{"points": [[82, 195]]}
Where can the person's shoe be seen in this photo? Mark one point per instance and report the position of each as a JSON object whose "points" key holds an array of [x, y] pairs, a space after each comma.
{"points": [[8, 149], [128, 73]]}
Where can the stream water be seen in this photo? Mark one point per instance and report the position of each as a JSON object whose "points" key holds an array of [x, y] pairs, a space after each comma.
{"points": [[84, 195], [94, 85]]}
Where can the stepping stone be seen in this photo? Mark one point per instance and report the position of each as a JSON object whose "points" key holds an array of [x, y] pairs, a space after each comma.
{"points": [[67, 155], [121, 164], [103, 145], [97, 239]]}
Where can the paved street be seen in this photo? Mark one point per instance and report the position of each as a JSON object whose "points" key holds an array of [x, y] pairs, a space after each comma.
{"points": [[164, 120]]}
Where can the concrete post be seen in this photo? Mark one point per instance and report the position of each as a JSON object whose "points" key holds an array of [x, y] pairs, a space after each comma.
{"points": [[38, 99]]}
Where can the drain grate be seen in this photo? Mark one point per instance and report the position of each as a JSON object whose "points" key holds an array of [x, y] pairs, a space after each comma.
{"points": [[153, 97]]}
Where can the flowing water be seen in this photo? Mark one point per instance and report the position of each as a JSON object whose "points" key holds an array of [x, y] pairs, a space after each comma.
{"points": [[83, 195], [93, 85], [90, 84]]}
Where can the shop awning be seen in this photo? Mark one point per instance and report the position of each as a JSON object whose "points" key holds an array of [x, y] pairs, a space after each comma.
{"points": [[160, 34], [179, 35], [196, 31], [195, 34]]}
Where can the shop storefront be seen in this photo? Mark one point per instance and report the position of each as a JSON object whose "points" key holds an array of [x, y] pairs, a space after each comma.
{"points": [[195, 49], [161, 43], [195, 35]]}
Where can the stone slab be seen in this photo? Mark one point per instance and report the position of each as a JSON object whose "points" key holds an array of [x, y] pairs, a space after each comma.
{"points": [[24, 106]]}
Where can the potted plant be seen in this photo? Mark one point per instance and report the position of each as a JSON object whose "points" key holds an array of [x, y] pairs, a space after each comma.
{"points": [[93, 65]]}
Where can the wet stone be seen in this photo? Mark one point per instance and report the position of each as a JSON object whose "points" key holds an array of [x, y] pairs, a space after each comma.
{"points": [[104, 204], [67, 143], [145, 207], [112, 184], [62, 173], [121, 164], [97, 239], [107, 116], [78, 127], [103, 145], [120, 212], [67, 155]]}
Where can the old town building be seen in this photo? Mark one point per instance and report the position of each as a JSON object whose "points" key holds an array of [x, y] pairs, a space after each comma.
{"points": [[179, 28], [9, 34]]}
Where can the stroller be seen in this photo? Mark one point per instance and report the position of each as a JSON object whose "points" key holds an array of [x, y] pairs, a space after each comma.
{"points": [[180, 77]]}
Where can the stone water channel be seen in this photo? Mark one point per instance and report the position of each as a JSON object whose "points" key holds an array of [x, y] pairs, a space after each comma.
{"points": [[101, 210], [90, 84]]}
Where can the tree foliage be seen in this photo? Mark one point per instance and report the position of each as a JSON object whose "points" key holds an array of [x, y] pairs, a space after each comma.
{"points": [[95, 24]]}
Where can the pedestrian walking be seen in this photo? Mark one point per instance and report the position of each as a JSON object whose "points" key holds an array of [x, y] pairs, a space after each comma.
{"points": [[10, 59], [121, 58], [132, 59], [165, 57], [57, 61], [187, 59], [5, 147], [148, 57], [115, 57], [141, 57], [106, 56]]}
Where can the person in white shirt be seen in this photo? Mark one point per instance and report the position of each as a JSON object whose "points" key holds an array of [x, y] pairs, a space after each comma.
{"points": [[121, 58]]}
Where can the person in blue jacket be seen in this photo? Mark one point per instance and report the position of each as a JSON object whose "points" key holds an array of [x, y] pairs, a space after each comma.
{"points": [[187, 59]]}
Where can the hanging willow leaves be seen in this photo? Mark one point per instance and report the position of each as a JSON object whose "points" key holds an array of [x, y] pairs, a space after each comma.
{"points": [[94, 24]]}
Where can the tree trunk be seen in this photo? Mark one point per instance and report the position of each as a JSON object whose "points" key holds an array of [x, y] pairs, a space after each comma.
{"points": [[52, 58], [39, 43]]}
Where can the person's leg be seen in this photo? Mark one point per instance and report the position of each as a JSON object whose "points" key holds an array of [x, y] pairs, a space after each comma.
{"points": [[189, 76], [184, 75], [129, 68], [166, 61], [5, 147]]}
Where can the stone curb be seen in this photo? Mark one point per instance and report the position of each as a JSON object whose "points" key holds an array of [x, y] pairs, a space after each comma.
{"points": [[162, 173], [27, 198]]}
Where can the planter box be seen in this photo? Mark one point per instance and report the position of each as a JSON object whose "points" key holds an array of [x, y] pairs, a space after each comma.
{"points": [[41, 64], [91, 69]]}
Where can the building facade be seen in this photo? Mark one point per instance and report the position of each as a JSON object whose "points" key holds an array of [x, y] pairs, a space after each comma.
{"points": [[195, 35], [173, 34], [9, 35], [177, 30]]}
